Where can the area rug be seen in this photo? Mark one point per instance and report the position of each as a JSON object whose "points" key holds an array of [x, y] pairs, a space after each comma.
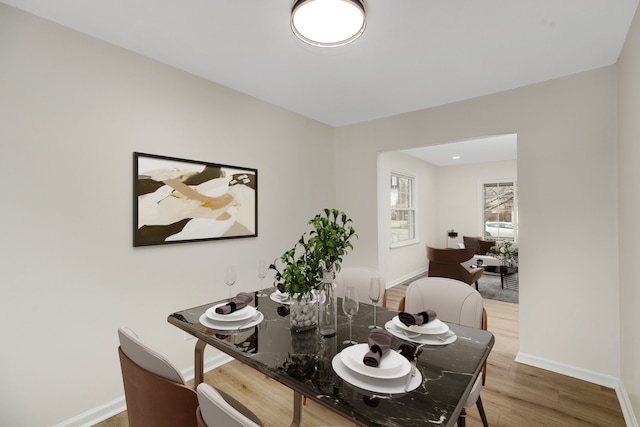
{"points": [[488, 286]]}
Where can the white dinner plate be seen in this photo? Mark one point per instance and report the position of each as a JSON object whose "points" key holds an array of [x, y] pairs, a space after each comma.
{"points": [[392, 364], [435, 327], [281, 298], [376, 385], [245, 312], [429, 339], [231, 326]]}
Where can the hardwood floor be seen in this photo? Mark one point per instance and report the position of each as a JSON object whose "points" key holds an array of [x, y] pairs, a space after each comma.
{"points": [[515, 395]]}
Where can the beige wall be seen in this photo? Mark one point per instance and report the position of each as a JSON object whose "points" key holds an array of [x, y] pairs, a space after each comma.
{"points": [[72, 111], [567, 175], [460, 201], [401, 262], [629, 194]]}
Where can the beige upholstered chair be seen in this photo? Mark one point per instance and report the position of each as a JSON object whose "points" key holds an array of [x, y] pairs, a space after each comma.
{"points": [[360, 277], [448, 263], [155, 390], [220, 410], [454, 302]]}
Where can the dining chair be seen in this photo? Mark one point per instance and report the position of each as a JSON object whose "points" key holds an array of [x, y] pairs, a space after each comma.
{"points": [[155, 390], [455, 302], [360, 277], [448, 263], [221, 410]]}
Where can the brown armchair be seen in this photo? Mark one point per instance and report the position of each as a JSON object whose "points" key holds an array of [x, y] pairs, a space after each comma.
{"points": [[448, 263]]}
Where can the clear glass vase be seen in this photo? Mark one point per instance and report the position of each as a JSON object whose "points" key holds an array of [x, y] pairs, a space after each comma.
{"points": [[304, 313], [327, 306]]}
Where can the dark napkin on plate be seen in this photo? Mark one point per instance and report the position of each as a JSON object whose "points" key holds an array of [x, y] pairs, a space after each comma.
{"points": [[238, 302], [421, 318], [379, 343]]}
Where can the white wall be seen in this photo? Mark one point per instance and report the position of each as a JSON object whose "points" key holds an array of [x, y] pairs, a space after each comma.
{"points": [[629, 229], [460, 198], [72, 111], [400, 263], [567, 175]]}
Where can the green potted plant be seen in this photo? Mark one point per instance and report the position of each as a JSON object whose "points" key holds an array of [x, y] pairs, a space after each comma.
{"points": [[314, 258]]}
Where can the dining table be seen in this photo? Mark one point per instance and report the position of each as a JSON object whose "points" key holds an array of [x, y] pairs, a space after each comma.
{"points": [[326, 371]]}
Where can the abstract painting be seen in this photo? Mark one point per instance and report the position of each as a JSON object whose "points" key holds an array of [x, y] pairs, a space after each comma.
{"points": [[178, 200]]}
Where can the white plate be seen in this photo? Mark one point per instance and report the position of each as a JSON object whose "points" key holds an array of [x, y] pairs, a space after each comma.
{"points": [[392, 364], [428, 339], [245, 312], [438, 327], [376, 385], [231, 326], [279, 297]]}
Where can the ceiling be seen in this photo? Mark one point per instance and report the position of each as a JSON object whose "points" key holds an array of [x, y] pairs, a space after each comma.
{"points": [[479, 150], [413, 55]]}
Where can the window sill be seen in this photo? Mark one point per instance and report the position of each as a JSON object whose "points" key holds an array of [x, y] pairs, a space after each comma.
{"points": [[404, 243]]}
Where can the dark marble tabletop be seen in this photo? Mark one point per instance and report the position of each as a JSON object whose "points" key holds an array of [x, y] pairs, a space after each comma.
{"points": [[302, 361]]}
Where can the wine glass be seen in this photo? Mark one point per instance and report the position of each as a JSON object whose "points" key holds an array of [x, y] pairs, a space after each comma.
{"points": [[350, 308], [262, 273], [374, 297], [230, 277]]}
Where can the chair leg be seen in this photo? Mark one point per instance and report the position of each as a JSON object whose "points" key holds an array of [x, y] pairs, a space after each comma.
{"points": [[477, 286], [462, 419], [483, 416]]}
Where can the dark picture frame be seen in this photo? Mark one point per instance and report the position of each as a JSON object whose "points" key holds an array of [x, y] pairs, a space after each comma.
{"points": [[179, 200]]}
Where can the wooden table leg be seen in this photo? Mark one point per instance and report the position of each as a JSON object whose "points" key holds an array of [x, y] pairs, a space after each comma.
{"points": [[297, 409], [198, 365]]}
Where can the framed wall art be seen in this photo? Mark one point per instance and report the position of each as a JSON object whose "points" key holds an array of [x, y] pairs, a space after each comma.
{"points": [[178, 200]]}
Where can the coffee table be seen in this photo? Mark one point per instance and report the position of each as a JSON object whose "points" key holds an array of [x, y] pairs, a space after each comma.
{"points": [[508, 275]]}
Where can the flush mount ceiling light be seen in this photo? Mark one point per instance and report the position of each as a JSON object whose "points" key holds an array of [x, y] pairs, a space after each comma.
{"points": [[328, 23]]}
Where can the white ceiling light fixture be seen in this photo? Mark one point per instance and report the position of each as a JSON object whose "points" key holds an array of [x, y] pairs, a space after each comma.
{"points": [[328, 23]]}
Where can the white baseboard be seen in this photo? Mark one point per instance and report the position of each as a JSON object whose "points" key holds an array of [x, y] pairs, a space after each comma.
{"points": [[585, 375], [109, 409], [627, 410]]}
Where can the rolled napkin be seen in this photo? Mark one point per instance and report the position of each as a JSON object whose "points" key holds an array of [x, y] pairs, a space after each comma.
{"points": [[421, 318], [238, 302], [379, 343]]}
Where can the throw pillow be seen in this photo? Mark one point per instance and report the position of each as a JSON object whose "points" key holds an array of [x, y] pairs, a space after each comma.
{"points": [[471, 242], [485, 245]]}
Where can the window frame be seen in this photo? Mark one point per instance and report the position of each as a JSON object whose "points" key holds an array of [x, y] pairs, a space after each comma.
{"points": [[514, 212], [413, 209]]}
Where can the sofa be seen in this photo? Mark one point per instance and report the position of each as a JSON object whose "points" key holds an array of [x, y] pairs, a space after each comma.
{"points": [[481, 248]]}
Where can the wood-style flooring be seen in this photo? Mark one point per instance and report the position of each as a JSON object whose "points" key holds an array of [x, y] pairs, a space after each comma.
{"points": [[515, 395]]}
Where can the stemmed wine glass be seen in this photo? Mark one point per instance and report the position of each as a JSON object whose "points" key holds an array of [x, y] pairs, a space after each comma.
{"points": [[350, 307], [262, 273], [230, 277], [374, 297]]}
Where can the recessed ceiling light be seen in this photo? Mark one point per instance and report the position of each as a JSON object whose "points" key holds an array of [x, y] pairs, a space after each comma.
{"points": [[455, 157]]}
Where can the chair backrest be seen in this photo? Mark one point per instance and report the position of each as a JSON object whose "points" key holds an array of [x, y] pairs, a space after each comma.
{"points": [[154, 389], [221, 410], [447, 263], [360, 277], [454, 301], [146, 357]]}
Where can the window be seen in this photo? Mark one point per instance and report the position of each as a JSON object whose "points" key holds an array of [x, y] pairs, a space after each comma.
{"points": [[403, 212], [500, 203]]}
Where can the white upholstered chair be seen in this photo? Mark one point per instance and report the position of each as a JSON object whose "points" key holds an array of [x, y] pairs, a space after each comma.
{"points": [[360, 277], [219, 410], [455, 302]]}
